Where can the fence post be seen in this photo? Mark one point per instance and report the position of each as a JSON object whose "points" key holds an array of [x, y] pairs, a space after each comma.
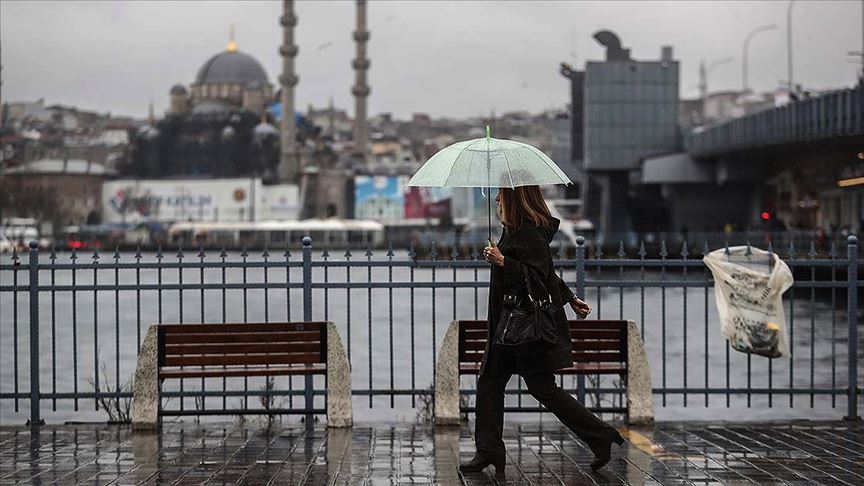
{"points": [[34, 335], [852, 317], [307, 316], [580, 292]]}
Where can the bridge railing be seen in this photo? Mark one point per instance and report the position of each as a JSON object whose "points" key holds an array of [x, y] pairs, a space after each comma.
{"points": [[71, 325], [835, 114]]}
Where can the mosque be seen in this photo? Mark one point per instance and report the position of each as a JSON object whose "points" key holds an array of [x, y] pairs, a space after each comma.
{"points": [[227, 123]]}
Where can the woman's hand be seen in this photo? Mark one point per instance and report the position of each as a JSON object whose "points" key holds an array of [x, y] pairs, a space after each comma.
{"points": [[580, 307], [493, 255]]}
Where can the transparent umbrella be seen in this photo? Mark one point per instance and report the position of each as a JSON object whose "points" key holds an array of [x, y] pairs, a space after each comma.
{"points": [[488, 162]]}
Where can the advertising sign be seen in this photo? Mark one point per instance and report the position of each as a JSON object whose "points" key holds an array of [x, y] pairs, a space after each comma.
{"points": [[167, 201]]}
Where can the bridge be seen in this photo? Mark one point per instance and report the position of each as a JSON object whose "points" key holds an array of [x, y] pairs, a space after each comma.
{"points": [[833, 117], [797, 166]]}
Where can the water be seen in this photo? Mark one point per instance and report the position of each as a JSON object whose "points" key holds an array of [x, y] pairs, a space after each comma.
{"points": [[102, 339]]}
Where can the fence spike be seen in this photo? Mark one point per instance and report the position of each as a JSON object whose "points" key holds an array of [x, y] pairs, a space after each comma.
{"points": [[347, 251], [598, 250], [223, 254], [266, 254], [116, 253], [53, 253], [138, 249], [74, 255], [792, 250], [454, 252], [748, 252], [368, 253], [642, 253], [201, 253], [705, 249], [411, 253], [180, 251], [287, 253], [96, 255], [159, 251], [390, 250], [663, 252], [325, 253], [832, 252], [726, 248], [474, 253], [15, 256], [812, 252], [770, 246], [562, 252], [684, 251], [243, 252], [434, 251], [621, 253]]}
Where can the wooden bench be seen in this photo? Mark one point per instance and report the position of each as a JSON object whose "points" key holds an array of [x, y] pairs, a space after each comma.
{"points": [[176, 351], [599, 347]]}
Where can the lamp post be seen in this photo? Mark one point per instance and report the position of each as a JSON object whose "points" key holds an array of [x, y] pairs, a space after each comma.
{"points": [[704, 72], [789, 44], [744, 87]]}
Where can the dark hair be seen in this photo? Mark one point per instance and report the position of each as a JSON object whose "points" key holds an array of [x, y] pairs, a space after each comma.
{"points": [[524, 203]]}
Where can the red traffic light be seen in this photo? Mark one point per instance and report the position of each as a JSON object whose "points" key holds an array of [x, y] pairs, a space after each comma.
{"points": [[766, 216]]}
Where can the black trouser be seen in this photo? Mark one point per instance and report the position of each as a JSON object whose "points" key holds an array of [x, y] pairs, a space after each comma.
{"points": [[489, 422]]}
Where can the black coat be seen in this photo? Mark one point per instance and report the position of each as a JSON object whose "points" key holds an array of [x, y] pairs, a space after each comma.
{"points": [[528, 246]]}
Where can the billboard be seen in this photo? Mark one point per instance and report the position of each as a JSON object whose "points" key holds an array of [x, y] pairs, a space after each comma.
{"points": [[383, 198], [172, 200]]}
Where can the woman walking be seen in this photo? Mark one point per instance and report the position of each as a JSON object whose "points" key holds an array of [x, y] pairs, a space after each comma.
{"points": [[524, 247]]}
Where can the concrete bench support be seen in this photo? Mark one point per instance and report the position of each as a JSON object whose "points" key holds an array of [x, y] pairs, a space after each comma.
{"points": [[145, 389], [447, 378], [146, 401], [640, 406], [339, 410]]}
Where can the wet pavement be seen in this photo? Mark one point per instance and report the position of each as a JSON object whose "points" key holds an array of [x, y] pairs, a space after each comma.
{"points": [[382, 454]]}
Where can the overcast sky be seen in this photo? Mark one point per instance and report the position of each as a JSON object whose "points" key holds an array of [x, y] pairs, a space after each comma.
{"points": [[443, 58]]}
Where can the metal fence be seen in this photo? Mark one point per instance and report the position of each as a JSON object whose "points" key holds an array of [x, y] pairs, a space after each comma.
{"points": [[79, 319]]}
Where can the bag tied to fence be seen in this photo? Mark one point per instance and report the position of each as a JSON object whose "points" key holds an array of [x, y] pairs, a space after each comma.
{"points": [[749, 286]]}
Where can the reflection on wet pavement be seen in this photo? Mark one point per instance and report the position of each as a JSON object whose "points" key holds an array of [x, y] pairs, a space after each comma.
{"points": [[538, 453]]}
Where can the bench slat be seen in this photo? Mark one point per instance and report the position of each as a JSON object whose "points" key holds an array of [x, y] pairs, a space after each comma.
{"points": [[234, 372], [243, 348], [599, 345], [577, 369], [597, 357], [243, 359], [245, 337], [246, 327], [595, 334], [592, 324]]}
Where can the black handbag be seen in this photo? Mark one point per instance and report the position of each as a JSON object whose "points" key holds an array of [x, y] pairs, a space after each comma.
{"points": [[527, 327]]}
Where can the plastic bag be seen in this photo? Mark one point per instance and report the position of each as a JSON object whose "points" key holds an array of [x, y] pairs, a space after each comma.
{"points": [[749, 291]]}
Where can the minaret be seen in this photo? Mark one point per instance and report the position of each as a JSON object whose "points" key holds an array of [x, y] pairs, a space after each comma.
{"points": [[288, 161], [361, 88]]}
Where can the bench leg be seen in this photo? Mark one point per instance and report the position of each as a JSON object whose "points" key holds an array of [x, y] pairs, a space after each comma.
{"points": [[339, 411], [640, 407], [145, 389], [447, 378]]}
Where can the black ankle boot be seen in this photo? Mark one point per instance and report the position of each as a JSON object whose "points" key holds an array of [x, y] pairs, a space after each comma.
{"points": [[603, 453], [479, 462]]}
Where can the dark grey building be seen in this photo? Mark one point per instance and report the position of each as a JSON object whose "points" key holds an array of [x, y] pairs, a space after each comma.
{"points": [[630, 112]]}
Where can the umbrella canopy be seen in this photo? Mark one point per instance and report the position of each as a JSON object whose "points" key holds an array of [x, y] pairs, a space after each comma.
{"points": [[488, 162]]}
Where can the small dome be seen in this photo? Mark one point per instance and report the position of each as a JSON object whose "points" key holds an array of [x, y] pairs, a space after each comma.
{"points": [[265, 129], [254, 85], [178, 89], [231, 67]]}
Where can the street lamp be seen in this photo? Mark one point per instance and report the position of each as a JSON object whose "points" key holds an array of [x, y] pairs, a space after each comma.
{"points": [[789, 43], [705, 71], [745, 88]]}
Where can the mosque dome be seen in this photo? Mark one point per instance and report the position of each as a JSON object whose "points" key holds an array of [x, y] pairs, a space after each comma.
{"points": [[230, 67]]}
